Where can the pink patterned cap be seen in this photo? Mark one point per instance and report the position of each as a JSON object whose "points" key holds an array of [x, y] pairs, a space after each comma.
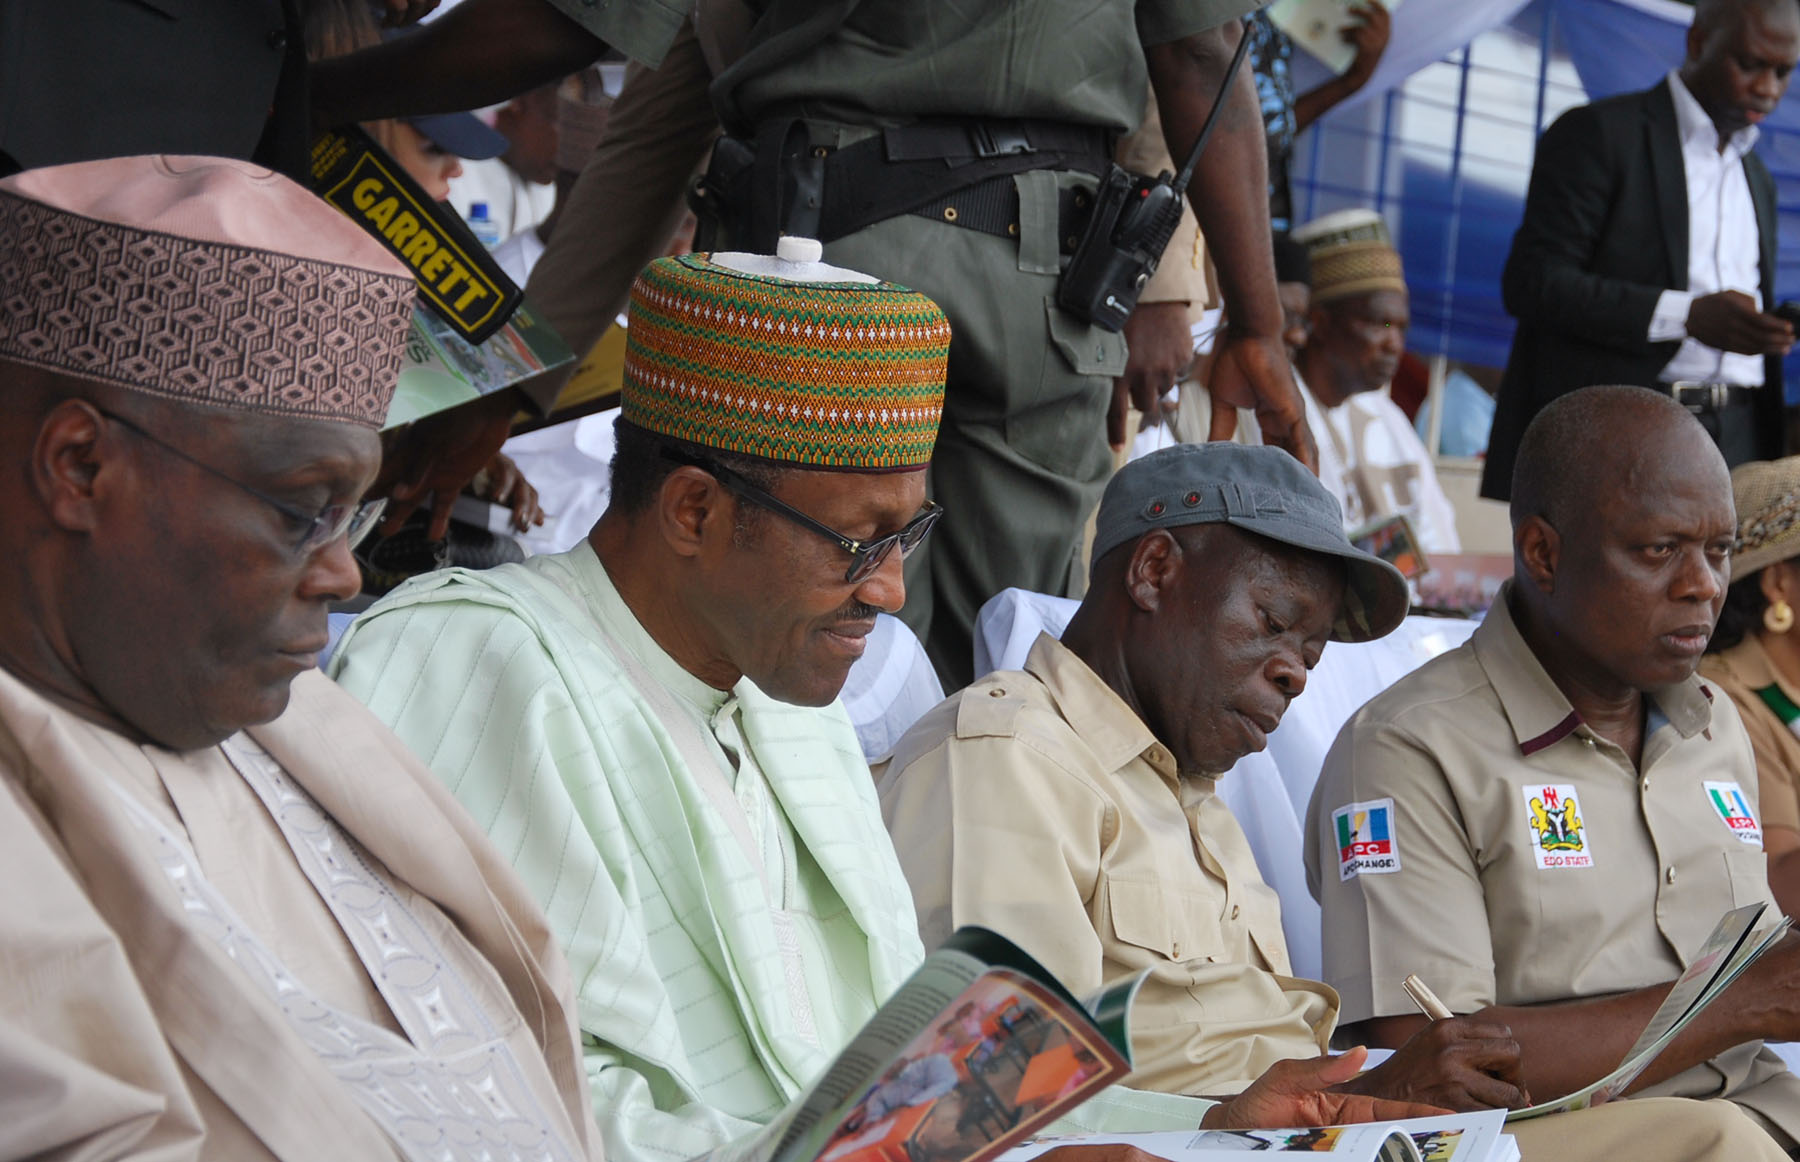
{"points": [[203, 280]]}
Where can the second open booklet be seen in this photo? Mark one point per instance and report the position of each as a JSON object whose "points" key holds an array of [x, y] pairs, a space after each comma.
{"points": [[1742, 935], [981, 1048]]}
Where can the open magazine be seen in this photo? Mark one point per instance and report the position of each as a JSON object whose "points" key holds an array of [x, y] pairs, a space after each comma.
{"points": [[1741, 936], [979, 1048], [1471, 1137], [443, 369]]}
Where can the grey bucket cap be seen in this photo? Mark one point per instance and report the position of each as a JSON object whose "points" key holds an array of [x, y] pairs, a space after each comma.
{"points": [[1261, 490]]}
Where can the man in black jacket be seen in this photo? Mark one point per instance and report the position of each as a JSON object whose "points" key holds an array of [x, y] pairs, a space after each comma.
{"points": [[1647, 252]]}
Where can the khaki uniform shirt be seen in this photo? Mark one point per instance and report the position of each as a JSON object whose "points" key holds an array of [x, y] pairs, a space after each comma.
{"points": [[1741, 671], [1037, 804], [1469, 827]]}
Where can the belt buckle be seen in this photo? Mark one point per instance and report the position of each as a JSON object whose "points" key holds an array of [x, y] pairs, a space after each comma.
{"points": [[994, 138], [1717, 395]]}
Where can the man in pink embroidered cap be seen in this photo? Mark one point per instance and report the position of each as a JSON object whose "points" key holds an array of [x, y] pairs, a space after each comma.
{"points": [[240, 921]]}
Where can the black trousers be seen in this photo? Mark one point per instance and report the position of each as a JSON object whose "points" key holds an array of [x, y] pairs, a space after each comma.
{"points": [[1733, 429]]}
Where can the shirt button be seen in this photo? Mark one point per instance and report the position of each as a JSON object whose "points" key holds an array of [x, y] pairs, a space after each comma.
{"points": [[1175, 950], [996, 692], [1669, 875], [1587, 742], [1234, 911]]}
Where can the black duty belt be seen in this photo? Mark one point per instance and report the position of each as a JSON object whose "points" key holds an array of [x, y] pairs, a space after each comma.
{"points": [[779, 182], [1700, 396], [992, 207]]}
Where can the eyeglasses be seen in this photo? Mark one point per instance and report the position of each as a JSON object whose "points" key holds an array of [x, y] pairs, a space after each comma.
{"points": [[353, 521], [865, 556]]}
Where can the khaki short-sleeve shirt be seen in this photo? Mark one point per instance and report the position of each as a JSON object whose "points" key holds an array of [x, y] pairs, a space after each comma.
{"points": [[1037, 804], [1469, 827]]}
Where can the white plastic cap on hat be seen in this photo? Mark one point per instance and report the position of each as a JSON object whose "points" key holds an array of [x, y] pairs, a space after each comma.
{"points": [[796, 259], [793, 248]]}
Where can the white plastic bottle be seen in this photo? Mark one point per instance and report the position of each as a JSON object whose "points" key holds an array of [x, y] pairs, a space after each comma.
{"points": [[486, 229]]}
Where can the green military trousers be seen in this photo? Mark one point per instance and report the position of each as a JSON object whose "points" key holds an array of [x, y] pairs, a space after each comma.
{"points": [[1021, 456]]}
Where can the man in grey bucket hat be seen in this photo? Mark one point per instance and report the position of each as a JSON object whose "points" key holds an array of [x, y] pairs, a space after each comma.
{"points": [[1071, 805]]}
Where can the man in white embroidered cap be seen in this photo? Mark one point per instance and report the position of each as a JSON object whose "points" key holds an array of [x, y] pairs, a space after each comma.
{"points": [[241, 921]]}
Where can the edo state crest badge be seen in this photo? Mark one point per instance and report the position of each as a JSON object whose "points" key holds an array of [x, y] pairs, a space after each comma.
{"points": [[1728, 801], [1558, 832], [1364, 833]]}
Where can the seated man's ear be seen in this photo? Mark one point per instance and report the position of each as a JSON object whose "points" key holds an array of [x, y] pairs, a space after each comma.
{"points": [[1154, 564], [77, 462], [1538, 547], [693, 510]]}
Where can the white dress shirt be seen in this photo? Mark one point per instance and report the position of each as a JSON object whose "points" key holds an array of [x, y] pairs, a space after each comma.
{"points": [[1724, 248]]}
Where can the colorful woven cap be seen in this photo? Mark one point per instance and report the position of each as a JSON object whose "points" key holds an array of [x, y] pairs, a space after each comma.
{"points": [[1351, 253], [203, 280], [786, 359], [1767, 494]]}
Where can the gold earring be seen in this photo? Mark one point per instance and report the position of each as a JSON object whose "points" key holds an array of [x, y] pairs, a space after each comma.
{"points": [[1778, 617]]}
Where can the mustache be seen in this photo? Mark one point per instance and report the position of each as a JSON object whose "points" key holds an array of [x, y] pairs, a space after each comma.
{"points": [[854, 610]]}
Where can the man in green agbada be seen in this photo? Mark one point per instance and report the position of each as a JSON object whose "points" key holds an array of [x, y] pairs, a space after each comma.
{"points": [[647, 724]]}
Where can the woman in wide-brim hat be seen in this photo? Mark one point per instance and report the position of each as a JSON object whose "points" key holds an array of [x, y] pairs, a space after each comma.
{"points": [[1754, 654]]}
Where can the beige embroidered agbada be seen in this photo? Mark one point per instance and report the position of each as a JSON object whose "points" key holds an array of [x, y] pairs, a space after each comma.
{"points": [[123, 1032]]}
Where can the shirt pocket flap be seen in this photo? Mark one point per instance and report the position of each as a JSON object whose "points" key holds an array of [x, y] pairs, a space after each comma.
{"points": [[1088, 350], [1177, 926], [1140, 915]]}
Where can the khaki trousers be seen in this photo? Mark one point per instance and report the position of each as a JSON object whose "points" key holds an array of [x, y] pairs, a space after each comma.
{"points": [[1649, 1129]]}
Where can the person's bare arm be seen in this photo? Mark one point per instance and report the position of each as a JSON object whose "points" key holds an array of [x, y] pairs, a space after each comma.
{"points": [[1162, 350], [1568, 1046], [481, 52], [1370, 36], [1303, 1092], [1230, 196]]}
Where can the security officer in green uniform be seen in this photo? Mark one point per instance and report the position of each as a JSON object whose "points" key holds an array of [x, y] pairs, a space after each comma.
{"points": [[955, 148], [982, 129]]}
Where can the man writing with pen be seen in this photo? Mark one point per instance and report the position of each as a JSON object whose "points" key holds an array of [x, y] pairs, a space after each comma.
{"points": [[1071, 806], [1571, 809]]}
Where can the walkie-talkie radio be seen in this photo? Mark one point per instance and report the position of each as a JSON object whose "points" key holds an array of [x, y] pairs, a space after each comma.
{"points": [[1134, 217]]}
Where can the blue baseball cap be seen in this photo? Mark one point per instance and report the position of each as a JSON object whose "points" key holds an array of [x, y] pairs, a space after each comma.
{"points": [[461, 134]]}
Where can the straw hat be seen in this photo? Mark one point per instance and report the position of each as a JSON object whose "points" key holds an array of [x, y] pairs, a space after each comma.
{"points": [[1767, 493]]}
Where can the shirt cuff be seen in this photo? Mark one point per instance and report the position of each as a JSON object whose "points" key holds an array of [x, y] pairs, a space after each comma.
{"points": [[1669, 320], [1118, 1110]]}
